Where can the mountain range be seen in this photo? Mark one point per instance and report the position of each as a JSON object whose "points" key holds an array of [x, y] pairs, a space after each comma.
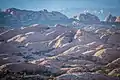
{"points": [[14, 17], [17, 18]]}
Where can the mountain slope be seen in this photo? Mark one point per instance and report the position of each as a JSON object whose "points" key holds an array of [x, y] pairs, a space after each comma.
{"points": [[16, 18]]}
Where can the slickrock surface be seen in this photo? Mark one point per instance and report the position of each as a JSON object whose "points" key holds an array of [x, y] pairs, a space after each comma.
{"points": [[40, 52]]}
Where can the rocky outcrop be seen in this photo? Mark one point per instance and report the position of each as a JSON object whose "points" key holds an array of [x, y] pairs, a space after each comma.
{"points": [[17, 67], [90, 18], [86, 37], [114, 64], [114, 39], [110, 18], [8, 34], [84, 76], [117, 19], [107, 54]]}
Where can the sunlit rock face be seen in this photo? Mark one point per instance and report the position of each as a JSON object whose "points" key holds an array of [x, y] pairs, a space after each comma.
{"points": [[86, 37], [87, 17], [19, 31], [107, 54], [117, 19]]}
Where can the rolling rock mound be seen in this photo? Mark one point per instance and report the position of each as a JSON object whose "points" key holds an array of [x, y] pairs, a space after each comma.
{"points": [[59, 53]]}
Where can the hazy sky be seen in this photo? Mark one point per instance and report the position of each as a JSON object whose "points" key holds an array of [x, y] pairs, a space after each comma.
{"points": [[58, 4]]}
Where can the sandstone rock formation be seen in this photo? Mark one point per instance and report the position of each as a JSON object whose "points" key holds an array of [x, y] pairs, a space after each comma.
{"points": [[61, 52]]}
